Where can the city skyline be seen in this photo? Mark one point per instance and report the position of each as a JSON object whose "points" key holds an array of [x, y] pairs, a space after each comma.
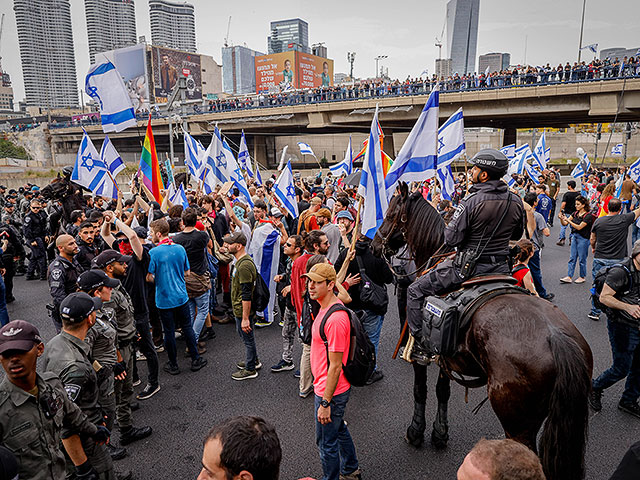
{"points": [[550, 31]]}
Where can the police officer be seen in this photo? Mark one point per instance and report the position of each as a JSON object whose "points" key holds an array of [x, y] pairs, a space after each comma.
{"points": [[113, 263], [36, 414], [14, 249], [35, 234], [67, 356], [62, 275], [480, 229]]}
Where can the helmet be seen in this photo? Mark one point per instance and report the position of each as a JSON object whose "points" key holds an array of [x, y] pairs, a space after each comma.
{"points": [[491, 160], [67, 171]]}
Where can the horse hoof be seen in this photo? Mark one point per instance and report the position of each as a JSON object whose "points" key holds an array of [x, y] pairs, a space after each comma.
{"points": [[414, 438], [439, 441]]}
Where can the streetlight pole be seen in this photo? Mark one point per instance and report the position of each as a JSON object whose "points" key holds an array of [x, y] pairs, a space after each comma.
{"points": [[377, 59], [584, 4], [351, 57]]}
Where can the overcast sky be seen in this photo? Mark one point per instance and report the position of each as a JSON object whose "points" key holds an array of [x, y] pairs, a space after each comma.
{"points": [[405, 30]]}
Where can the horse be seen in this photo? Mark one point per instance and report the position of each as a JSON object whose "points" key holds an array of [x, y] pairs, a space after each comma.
{"points": [[536, 365]]}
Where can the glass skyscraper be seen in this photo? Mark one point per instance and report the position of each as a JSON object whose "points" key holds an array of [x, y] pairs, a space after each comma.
{"points": [[462, 35], [288, 35]]}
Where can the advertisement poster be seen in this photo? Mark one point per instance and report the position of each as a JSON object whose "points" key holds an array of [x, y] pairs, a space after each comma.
{"points": [[132, 65], [168, 65], [292, 69], [314, 71]]}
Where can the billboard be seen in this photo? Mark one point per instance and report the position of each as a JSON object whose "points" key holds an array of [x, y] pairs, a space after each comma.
{"points": [[168, 64], [131, 63], [292, 69]]}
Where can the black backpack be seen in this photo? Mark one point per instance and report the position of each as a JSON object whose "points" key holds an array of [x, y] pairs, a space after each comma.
{"points": [[361, 359], [260, 300], [599, 281]]}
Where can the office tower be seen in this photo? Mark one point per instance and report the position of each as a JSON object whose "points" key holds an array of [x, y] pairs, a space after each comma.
{"points": [[173, 25], [495, 61], [443, 67], [238, 69], [45, 37], [111, 24], [462, 34], [288, 35]]}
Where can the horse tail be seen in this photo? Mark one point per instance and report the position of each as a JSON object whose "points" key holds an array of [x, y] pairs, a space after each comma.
{"points": [[562, 444]]}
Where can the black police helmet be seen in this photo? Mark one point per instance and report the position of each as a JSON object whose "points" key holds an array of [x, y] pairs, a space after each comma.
{"points": [[491, 160], [67, 171]]}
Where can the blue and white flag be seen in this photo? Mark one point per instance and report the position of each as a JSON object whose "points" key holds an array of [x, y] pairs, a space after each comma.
{"points": [[533, 173], [445, 177], [417, 160], [227, 165], [305, 149], [346, 165], [372, 183], [215, 169], [451, 139], [111, 157], [509, 151], [634, 171], [593, 47], [619, 186], [180, 197], [540, 152], [617, 149], [194, 155], [89, 170], [285, 190], [244, 159], [258, 179], [265, 251], [104, 84], [583, 166]]}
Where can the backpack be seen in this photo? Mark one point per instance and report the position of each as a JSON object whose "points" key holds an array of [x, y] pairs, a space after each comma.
{"points": [[260, 300], [599, 281], [361, 358]]}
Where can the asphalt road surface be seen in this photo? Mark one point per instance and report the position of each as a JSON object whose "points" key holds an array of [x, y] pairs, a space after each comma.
{"points": [[190, 403]]}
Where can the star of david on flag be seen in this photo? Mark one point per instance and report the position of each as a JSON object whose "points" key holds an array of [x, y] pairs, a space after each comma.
{"points": [[634, 171], [285, 190], [89, 170]]}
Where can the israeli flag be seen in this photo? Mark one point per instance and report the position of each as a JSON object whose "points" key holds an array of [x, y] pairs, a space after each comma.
{"points": [[539, 153], [617, 149], [243, 156], [216, 164], [180, 197], [346, 165], [445, 177], [619, 186], [533, 173], [111, 157], [634, 171], [108, 188], [593, 48], [305, 149], [417, 160], [258, 179], [583, 166], [265, 251], [372, 182], [517, 164], [451, 139], [509, 151], [285, 191], [89, 170], [104, 84], [194, 155]]}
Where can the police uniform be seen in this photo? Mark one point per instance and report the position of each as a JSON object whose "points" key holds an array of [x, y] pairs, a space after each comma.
{"points": [[86, 253], [14, 249], [35, 229], [470, 231], [68, 357], [63, 280]]}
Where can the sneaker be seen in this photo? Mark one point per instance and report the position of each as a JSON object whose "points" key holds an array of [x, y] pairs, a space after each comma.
{"points": [[262, 323], [630, 407], [244, 374], [550, 296], [171, 368], [579, 280], [133, 434], [355, 475], [160, 349], [241, 365], [202, 348], [296, 374], [566, 280], [140, 357], [281, 323], [136, 382], [593, 316], [595, 399], [208, 334], [148, 391], [282, 366], [198, 364], [376, 376], [306, 393]]}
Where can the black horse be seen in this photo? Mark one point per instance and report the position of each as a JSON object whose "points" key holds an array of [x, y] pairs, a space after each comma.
{"points": [[534, 361]]}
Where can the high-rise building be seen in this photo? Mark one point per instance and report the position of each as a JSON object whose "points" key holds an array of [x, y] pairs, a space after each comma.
{"points": [[173, 24], [45, 36], [443, 67], [288, 35], [6, 92], [239, 70], [494, 61], [111, 24], [462, 34], [319, 50]]}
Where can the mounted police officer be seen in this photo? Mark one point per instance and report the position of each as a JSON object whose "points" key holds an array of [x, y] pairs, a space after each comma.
{"points": [[36, 414], [62, 275], [481, 228]]}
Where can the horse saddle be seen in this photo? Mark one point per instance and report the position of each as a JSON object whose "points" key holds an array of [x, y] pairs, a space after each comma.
{"points": [[448, 317]]}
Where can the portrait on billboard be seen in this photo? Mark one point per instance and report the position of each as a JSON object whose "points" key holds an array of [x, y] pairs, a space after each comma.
{"points": [[168, 66]]}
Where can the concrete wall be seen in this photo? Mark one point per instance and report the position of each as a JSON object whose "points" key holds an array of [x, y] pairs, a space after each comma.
{"points": [[35, 141]]}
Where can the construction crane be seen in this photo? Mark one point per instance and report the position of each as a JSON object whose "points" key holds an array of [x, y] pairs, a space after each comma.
{"points": [[226, 38], [439, 40]]}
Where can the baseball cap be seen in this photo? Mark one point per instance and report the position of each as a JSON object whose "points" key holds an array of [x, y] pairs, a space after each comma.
{"points": [[108, 257], [275, 212], [78, 305], [141, 232], [19, 335], [321, 272], [323, 212], [94, 278], [235, 237], [344, 214]]}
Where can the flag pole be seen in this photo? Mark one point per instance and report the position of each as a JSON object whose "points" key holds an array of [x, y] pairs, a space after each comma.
{"points": [[356, 228], [466, 173]]}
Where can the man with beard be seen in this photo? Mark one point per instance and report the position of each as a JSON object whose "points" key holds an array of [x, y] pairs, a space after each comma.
{"points": [[87, 249], [62, 275]]}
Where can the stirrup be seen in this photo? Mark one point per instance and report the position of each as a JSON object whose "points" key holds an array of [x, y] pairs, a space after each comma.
{"points": [[413, 352]]}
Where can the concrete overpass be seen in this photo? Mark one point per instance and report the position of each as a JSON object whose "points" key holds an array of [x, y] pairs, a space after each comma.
{"points": [[507, 108]]}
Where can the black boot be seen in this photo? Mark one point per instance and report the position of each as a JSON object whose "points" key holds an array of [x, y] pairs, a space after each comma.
{"points": [[117, 453], [133, 434]]}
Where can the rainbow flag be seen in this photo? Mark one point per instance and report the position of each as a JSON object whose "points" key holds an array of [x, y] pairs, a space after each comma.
{"points": [[386, 160], [149, 166]]}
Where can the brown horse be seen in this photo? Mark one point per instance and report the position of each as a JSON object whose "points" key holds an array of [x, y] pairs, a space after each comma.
{"points": [[534, 361]]}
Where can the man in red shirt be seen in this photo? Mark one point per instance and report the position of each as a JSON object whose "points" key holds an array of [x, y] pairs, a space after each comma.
{"points": [[332, 389]]}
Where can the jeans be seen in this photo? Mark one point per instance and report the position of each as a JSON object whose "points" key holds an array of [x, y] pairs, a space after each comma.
{"points": [[180, 316], [372, 324], [579, 252], [200, 303], [563, 232], [536, 274], [337, 451], [289, 328], [625, 350], [249, 343], [4, 315], [599, 264], [146, 346]]}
